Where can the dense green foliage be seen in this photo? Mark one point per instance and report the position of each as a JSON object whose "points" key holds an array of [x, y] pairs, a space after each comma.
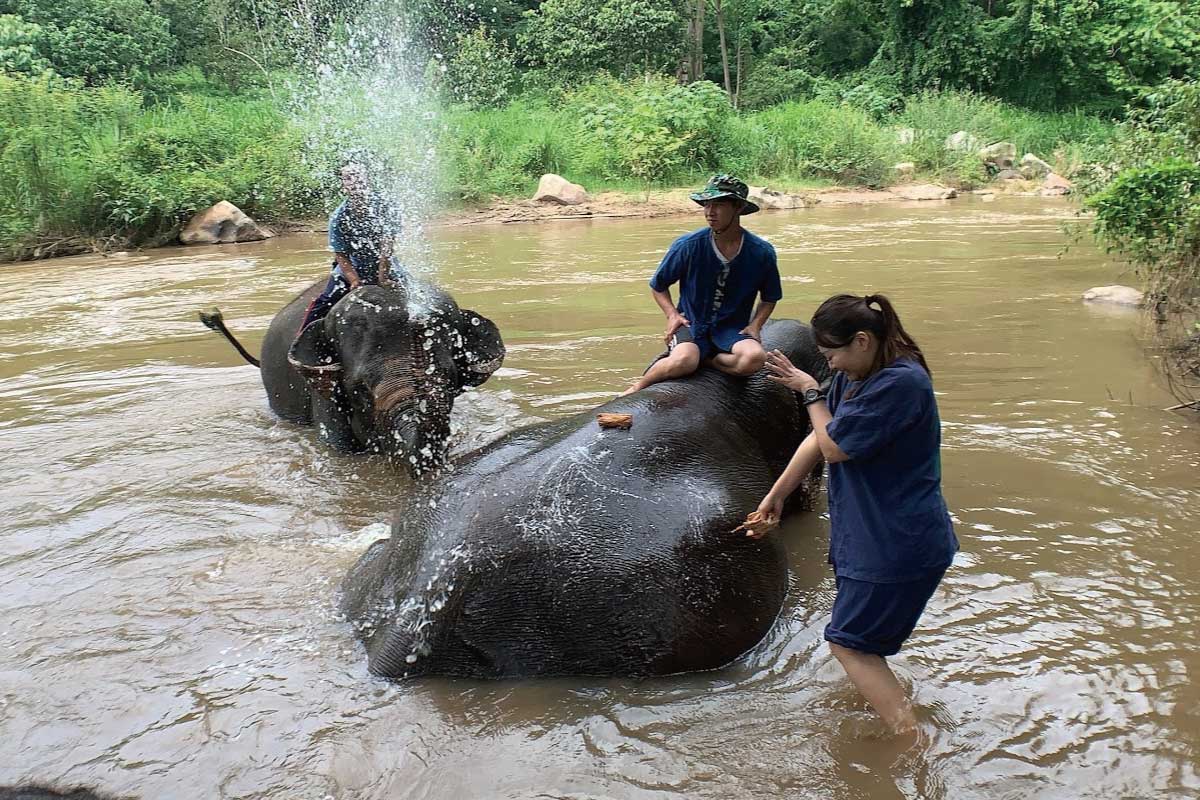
{"points": [[608, 132], [1150, 212], [96, 163], [122, 117]]}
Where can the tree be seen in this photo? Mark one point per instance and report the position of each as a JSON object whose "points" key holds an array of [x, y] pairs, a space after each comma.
{"points": [[19, 47], [119, 40], [481, 71], [578, 37], [1150, 213]]}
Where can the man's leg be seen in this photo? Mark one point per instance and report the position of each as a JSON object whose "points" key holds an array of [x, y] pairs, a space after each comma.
{"points": [[335, 290], [747, 358], [684, 360]]}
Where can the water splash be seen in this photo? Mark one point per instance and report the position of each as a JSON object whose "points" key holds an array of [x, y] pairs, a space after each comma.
{"points": [[362, 95]]}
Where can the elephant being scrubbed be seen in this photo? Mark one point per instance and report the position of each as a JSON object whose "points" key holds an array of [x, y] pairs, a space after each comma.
{"points": [[380, 372], [564, 548]]}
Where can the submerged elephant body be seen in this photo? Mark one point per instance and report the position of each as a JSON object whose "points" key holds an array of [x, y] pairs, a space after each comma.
{"points": [[381, 371], [564, 548]]}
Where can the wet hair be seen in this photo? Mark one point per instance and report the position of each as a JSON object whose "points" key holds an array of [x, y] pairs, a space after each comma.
{"points": [[843, 315]]}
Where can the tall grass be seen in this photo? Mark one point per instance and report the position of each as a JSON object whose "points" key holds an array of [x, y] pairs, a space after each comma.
{"points": [[95, 163], [105, 162], [1067, 140]]}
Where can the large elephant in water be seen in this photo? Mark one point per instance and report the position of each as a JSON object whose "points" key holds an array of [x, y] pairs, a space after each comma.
{"points": [[564, 548], [380, 372]]}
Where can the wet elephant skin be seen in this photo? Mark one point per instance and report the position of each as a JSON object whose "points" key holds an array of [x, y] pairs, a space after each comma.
{"points": [[381, 371], [566, 549]]}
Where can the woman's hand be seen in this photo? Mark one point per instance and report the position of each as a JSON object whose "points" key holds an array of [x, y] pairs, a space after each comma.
{"points": [[785, 372], [763, 519]]}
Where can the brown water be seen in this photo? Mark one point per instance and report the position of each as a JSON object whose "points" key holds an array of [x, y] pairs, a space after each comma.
{"points": [[170, 552]]}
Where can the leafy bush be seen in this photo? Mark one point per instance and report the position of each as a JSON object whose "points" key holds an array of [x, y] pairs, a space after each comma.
{"points": [[651, 130], [502, 151], [816, 139], [578, 37], [1150, 213], [20, 45], [94, 162], [100, 41], [1073, 138], [482, 71]]}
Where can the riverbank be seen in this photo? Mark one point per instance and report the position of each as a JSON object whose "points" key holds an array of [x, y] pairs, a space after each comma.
{"points": [[652, 204], [611, 204], [97, 169]]}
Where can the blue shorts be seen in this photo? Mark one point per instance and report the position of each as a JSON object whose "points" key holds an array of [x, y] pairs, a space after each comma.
{"points": [[708, 347], [877, 617]]}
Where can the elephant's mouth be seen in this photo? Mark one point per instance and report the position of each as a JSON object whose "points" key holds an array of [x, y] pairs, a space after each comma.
{"points": [[486, 367]]}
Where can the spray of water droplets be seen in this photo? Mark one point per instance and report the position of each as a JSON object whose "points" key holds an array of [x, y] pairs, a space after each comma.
{"points": [[362, 96]]}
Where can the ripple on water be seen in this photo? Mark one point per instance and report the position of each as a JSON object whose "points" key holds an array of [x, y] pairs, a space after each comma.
{"points": [[171, 552]]}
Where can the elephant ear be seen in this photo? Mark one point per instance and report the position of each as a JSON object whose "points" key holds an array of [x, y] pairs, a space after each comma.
{"points": [[314, 356], [478, 350]]}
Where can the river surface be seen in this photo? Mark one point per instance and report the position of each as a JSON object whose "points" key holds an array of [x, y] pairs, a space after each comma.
{"points": [[170, 552]]}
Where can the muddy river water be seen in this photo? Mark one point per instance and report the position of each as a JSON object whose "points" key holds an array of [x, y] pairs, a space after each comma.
{"points": [[170, 552]]}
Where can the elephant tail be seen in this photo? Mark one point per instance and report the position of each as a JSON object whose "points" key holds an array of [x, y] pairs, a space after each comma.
{"points": [[214, 321]]}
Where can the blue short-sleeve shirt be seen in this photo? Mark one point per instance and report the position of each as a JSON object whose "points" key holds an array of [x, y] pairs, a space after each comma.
{"points": [[888, 520], [716, 297], [358, 231]]}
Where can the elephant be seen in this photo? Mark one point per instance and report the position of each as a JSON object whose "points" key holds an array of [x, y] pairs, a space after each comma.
{"points": [[565, 548], [380, 372]]}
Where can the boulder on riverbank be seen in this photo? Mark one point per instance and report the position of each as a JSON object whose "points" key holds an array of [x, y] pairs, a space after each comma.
{"points": [[1034, 167], [961, 142], [1055, 185], [924, 191], [771, 199], [557, 189], [998, 156], [223, 223], [1115, 295]]}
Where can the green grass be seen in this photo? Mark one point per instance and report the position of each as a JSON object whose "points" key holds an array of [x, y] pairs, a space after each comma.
{"points": [[112, 163]]}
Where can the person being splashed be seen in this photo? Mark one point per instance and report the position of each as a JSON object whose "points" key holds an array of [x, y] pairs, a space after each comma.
{"points": [[720, 269], [362, 232]]}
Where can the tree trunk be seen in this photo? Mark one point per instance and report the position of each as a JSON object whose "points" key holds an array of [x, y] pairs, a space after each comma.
{"points": [[724, 48], [737, 63], [696, 43]]}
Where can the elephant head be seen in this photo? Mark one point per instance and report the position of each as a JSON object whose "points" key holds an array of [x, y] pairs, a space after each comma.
{"points": [[383, 372]]}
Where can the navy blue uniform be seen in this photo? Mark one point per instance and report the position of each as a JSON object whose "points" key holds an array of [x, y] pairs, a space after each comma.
{"points": [[891, 537], [718, 298], [356, 232]]}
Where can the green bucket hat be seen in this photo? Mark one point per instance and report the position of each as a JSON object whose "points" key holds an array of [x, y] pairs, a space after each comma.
{"points": [[720, 186]]}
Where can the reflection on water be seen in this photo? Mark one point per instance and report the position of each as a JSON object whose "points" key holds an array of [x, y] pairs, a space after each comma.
{"points": [[171, 551]]}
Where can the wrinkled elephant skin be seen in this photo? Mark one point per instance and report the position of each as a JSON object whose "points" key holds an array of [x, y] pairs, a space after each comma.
{"points": [[381, 371], [567, 549]]}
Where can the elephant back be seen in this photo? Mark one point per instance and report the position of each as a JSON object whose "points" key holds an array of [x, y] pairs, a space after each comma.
{"points": [[564, 548]]}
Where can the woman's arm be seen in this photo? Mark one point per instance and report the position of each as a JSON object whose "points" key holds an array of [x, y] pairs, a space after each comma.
{"points": [[818, 414], [771, 508], [803, 461], [783, 371]]}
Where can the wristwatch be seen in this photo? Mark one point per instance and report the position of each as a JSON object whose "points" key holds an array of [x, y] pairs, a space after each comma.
{"points": [[813, 395]]}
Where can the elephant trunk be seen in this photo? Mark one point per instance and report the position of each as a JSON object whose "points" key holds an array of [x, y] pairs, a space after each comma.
{"points": [[413, 430], [393, 652]]}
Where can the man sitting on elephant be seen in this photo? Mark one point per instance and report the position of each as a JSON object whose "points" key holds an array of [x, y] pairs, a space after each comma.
{"points": [[361, 235], [720, 269]]}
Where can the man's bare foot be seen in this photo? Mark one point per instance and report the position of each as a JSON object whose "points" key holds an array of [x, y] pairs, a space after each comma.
{"points": [[636, 386]]}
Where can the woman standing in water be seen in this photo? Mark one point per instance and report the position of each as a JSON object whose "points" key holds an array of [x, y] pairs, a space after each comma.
{"points": [[891, 538]]}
